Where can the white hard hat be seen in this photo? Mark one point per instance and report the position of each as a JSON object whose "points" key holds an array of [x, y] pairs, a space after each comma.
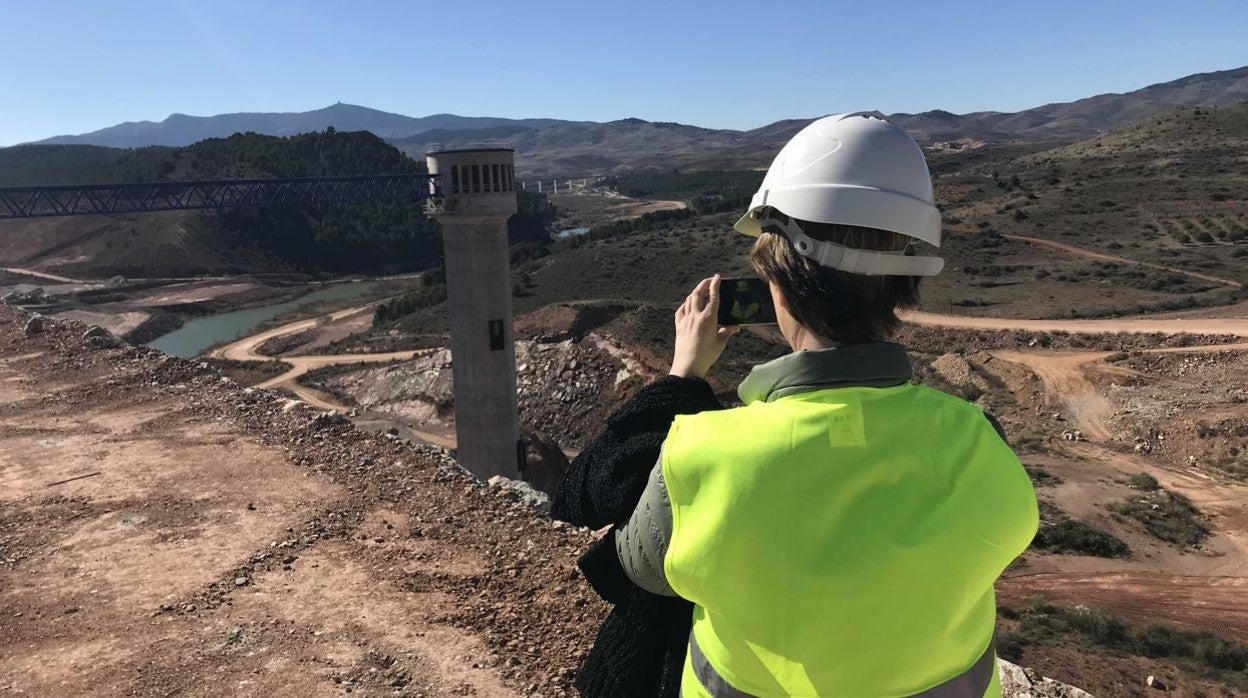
{"points": [[853, 169]]}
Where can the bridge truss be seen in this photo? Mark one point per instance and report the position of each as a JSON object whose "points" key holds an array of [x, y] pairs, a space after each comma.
{"points": [[94, 199]]}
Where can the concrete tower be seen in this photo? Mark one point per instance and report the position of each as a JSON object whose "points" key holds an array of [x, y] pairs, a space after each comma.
{"points": [[479, 193]]}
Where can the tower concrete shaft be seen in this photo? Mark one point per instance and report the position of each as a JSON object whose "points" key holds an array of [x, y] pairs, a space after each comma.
{"points": [[480, 195]]}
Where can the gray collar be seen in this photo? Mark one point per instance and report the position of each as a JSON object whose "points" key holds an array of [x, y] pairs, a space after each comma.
{"points": [[877, 365]]}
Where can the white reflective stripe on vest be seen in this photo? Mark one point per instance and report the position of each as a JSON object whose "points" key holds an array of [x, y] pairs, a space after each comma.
{"points": [[969, 684]]}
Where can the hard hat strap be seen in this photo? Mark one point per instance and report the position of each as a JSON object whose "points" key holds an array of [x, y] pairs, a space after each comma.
{"points": [[853, 260]]}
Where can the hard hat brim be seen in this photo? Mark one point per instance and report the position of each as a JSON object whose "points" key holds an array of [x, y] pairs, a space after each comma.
{"points": [[865, 207], [748, 225]]}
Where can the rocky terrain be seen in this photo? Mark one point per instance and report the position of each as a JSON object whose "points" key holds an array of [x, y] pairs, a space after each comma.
{"points": [[165, 530], [565, 388]]}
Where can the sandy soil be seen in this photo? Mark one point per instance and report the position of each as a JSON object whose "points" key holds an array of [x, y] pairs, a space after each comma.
{"points": [[1200, 589], [216, 543], [176, 294], [118, 323], [636, 207], [1237, 326], [337, 325], [43, 275]]}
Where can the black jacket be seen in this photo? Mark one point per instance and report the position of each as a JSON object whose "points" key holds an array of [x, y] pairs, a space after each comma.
{"points": [[640, 650]]}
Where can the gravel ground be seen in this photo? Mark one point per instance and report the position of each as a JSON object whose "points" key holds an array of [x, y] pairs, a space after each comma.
{"points": [[166, 531]]}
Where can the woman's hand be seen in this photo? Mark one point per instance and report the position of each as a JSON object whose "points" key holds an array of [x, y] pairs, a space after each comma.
{"points": [[699, 338]]}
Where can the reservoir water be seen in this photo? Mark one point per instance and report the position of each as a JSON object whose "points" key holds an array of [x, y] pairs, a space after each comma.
{"points": [[201, 333]]}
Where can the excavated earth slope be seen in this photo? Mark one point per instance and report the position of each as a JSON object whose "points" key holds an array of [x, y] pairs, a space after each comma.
{"points": [[164, 531]]}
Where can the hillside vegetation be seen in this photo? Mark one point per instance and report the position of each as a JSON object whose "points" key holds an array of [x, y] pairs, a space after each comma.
{"points": [[1107, 192], [1096, 195], [375, 237], [1168, 191]]}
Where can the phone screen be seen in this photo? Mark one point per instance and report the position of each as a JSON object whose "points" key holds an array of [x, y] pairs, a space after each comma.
{"points": [[745, 301]]}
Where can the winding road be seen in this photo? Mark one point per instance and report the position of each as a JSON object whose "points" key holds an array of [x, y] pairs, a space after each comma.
{"points": [[1218, 598], [45, 275], [1092, 254], [246, 349], [1061, 372]]}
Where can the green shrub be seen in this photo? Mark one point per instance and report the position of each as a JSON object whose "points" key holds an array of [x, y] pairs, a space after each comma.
{"points": [[1167, 515], [1144, 481], [1235, 465], [430, 292], [1041, 477], [1072, 537], [1198, 653]]}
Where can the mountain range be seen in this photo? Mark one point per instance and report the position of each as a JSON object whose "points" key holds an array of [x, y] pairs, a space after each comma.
{"points": [[181, 130], [554, 147]]}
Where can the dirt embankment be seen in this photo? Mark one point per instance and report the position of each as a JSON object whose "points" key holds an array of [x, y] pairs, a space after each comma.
{"points": [[1133, 421], [218, 542], [165, 531], [1131, 325]]}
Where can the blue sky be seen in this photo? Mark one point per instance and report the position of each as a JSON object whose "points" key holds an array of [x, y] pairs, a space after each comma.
{"points": [[72, 67]]}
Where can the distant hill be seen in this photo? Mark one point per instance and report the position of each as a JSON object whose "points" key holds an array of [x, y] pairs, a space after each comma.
{"points": [[571, 149], [182, 130], [583, 148], [548, 147]]}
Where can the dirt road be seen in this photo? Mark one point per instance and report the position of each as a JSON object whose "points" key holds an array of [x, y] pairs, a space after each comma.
{"points": [[1065, 379], [43, 275], [1082, 252], [1132, 325], [1203, 590], [246, 349], [1212, 592], [1063, 372]]}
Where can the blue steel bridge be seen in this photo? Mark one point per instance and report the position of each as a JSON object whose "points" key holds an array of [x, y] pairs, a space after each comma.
{"points": [[146, 197]]}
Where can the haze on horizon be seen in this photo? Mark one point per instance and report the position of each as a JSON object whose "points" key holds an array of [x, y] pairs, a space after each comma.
{"points": [[76, 68]]}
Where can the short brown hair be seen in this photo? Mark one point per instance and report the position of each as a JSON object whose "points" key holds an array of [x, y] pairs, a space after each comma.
{"points": [[845, 308]]}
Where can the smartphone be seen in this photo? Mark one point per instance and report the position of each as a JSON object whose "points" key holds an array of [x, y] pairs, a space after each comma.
{"points": [[745, 301]]}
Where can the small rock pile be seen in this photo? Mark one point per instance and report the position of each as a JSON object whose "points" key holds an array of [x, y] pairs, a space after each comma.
{"points": [[960, 375], [32, 297], [566, 389], [1019, 682], [1155, 440]]}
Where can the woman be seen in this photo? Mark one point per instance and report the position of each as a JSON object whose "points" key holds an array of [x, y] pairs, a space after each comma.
{"points": [[840, 533]]}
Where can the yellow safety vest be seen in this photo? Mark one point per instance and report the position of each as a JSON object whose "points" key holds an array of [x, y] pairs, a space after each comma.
{"points": [[843, 542]]}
